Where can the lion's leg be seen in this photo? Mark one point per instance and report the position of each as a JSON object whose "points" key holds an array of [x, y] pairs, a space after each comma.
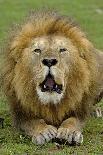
{"points": [[39, 131], [70, 130]]}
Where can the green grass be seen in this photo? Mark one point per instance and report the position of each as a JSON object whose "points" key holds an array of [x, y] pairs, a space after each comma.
{"points": [[89, 14]]}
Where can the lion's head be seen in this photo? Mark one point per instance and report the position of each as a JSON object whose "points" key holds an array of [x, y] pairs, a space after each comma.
{"points": [[50, 58], [52, 53]]}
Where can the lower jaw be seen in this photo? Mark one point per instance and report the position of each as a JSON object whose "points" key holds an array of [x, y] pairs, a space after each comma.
{"points": [[55, 89], [52, 91], [49, 97]]}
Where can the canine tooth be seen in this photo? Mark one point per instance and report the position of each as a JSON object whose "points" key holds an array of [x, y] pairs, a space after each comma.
{"points": [[44, 86], [56, 86]]}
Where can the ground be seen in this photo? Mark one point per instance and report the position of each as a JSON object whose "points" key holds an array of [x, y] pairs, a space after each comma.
{"points": [[89, 14]]}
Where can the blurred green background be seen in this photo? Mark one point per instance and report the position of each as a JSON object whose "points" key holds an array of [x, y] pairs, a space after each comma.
{"points": [[89, 15]]}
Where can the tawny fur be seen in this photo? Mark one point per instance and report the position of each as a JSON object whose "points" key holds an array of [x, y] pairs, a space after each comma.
{"points": [[85, 83]]}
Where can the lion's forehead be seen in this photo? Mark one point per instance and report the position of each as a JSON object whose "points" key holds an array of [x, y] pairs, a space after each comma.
{"points": [[50, 42]]}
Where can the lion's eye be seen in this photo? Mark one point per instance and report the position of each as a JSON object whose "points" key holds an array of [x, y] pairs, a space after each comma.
{"points": [[37, 50], [62, 50]]}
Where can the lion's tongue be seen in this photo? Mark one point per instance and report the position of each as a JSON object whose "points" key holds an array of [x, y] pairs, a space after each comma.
{"points": [[49, 83]]}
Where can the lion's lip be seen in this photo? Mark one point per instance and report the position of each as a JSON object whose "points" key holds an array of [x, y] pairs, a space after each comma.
{"points": [[50, 85]]}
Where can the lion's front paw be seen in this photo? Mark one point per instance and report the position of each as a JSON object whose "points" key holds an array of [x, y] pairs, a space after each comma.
{"points": [[45, 135], [73, 137]]}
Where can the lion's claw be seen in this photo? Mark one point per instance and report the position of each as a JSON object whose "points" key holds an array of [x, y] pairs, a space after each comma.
{"points": [[72, 137], [46, 135]]}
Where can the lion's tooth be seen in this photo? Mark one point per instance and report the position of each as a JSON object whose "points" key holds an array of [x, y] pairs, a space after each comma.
{"points": [[56, 86]]}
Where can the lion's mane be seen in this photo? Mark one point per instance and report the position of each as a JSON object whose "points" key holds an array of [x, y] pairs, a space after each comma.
{"points": [[17, 78]]}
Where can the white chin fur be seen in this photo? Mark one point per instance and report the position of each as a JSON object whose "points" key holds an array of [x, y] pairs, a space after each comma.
{"points": [[46, 97]]}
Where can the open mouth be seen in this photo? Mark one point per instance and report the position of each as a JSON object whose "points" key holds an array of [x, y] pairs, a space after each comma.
{"points": [[50, 85]]}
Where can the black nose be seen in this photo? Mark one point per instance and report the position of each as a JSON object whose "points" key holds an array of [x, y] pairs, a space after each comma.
{"points": [[49, 62]]}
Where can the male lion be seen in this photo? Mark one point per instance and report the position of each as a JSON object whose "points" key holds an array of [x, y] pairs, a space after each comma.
{"points": [[52, 75]]}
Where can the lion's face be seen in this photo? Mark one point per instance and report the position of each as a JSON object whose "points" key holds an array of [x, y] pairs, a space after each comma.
{"points": [[50, 60]]}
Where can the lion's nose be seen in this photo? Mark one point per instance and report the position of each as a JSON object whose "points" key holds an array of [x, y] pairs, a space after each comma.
{"points": [[49, 62]]}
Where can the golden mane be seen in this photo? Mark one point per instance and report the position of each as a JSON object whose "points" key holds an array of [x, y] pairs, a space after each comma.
{"points": [[47, 23], [39, 24]]}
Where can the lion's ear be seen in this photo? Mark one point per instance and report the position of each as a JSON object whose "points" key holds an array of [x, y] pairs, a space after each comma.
{"points": [[82, 54], [85, 48]]}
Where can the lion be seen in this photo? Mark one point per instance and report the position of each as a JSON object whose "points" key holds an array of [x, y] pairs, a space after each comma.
{"points": [[52, 75]]}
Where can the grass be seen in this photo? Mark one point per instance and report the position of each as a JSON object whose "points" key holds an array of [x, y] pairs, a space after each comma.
{"points": [[89, 14]]}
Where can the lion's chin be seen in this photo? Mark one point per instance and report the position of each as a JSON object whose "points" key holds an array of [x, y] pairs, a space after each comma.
{"points": [[49, 97]]}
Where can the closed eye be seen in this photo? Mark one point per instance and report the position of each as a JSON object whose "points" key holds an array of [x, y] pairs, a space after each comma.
{"points": [[37, 50], [62, 50]]}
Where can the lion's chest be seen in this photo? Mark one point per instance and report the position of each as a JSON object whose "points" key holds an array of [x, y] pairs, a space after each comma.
{"points": [[54, 114]]}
